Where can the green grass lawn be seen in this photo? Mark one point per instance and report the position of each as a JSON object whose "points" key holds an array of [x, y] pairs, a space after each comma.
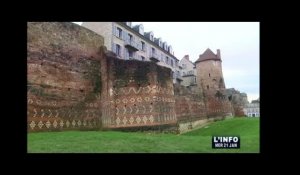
{"points": [[197, 141]]}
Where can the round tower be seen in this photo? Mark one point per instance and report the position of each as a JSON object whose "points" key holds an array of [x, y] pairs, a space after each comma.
{"points": [[209, 72]]}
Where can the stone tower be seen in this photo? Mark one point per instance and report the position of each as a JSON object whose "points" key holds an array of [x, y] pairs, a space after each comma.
{"points": [[209, 72], [210, 78]]}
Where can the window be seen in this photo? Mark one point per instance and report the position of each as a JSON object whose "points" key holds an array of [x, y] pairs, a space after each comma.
{"points": [[172, 64], [207, 87], [195, 80], [143, 58], [118, 49], [167, 60], [130, 37], [130, 54], [143, 46], [209, 75], [153, 50], [119, 32], [176, 63]]}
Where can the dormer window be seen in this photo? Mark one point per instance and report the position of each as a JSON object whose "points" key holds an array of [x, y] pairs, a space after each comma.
{"points": [[170, 49], [165, 47], [141, 29], [149, 35]]}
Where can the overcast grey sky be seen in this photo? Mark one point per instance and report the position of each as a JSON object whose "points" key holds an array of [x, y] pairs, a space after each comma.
{"points": [[238, 42]]}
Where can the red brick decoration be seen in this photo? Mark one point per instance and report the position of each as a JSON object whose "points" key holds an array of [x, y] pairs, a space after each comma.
{"points": [[137, 96]]}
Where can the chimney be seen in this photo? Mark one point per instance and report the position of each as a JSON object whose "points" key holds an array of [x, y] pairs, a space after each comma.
{"points": [[218, 54], [186, 57]]}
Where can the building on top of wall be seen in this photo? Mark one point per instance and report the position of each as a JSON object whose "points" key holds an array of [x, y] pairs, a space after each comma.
{"points": [[188, 72], [132, 42]]}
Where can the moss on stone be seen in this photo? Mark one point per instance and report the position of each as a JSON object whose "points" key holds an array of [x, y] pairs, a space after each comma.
{"points": [[93, 73], [163, 74], [126, 70]]}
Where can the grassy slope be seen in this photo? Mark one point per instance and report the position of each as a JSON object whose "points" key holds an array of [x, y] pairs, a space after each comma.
{"points": [[198, 141]]}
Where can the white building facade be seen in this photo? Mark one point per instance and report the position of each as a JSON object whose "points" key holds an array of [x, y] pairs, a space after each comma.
{"points": [[131, 42], [188, 72], [252, 110]]}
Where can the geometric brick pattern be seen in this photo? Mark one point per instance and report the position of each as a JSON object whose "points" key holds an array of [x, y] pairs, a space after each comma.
{"points": [[36, 125], [135, 104], [141, 120]]}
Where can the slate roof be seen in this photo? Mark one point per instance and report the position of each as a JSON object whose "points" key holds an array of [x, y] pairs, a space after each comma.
{"points": [[207, 55]]}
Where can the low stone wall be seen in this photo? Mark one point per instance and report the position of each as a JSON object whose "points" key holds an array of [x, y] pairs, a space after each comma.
{"points": [[188, 126]]}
